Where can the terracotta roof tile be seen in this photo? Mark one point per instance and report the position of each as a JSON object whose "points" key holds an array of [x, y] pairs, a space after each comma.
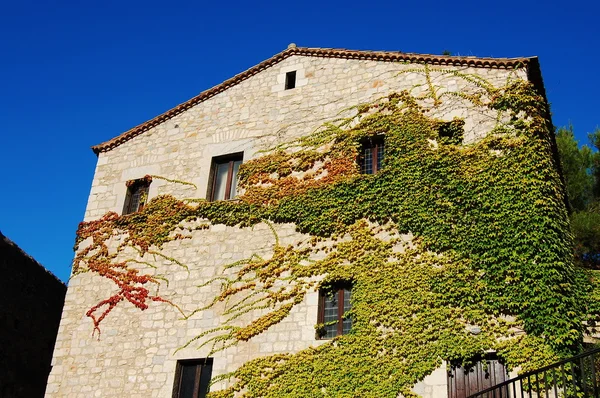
{"points": [[386, 56]]}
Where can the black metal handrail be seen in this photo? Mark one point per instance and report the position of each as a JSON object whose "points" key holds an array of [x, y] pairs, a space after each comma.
{"points": [[575, 377]]}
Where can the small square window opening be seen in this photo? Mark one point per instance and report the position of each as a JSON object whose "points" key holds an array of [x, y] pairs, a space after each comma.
{"points": [[333, 305], [223, 177], [370, 157], [452, 132], [137, 195], [192, 378], [290, 80]]}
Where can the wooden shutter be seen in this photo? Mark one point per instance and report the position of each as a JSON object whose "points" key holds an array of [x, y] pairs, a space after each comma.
{"points": [[127, 203]]}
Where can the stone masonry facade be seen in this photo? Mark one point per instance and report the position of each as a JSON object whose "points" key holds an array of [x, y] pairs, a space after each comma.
{"points": [[135, 355]]}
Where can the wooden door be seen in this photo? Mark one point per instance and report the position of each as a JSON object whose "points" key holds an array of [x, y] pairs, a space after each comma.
{"points": [[486, 373]]}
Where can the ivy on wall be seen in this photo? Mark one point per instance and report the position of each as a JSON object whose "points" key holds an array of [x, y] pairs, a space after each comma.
{"points": [[492, 246]]}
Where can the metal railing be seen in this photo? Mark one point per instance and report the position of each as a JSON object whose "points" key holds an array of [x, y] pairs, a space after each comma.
{"points": [[575, 377]]}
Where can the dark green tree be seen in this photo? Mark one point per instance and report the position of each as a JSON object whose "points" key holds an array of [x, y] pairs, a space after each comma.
{"points": [[581, 168], [595, 141]]}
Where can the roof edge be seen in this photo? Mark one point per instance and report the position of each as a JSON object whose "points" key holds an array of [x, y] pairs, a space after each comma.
{"points": [[17, 248], [385, 56]]}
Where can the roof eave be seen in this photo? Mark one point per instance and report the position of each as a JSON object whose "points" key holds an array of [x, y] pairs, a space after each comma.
{"points": [[385, 56]]}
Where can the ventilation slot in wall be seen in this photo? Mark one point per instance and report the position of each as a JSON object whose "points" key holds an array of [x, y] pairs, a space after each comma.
{"points": [[290, 80]]}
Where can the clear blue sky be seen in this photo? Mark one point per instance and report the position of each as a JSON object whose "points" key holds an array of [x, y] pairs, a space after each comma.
{"points": [[76, 73]]}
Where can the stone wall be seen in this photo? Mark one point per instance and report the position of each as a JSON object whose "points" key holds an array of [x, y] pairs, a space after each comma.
{"points": [[136, 353], [32, 300], [258, 113]]}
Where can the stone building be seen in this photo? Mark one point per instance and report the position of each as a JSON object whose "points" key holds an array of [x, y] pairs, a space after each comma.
{"points": [[32, 300], [194, 151]]}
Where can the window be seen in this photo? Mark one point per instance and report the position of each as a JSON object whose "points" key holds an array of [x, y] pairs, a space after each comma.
{"points": [[223, 177], [290, 80], [371, 154], [137, 195], [192, 378], [451, 132], [333, 305]]}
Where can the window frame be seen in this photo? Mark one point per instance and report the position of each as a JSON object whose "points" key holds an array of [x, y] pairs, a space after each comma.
{"points": [[212, 183], [141, 184], [339, 290], [200, 363], [373, 143]]}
